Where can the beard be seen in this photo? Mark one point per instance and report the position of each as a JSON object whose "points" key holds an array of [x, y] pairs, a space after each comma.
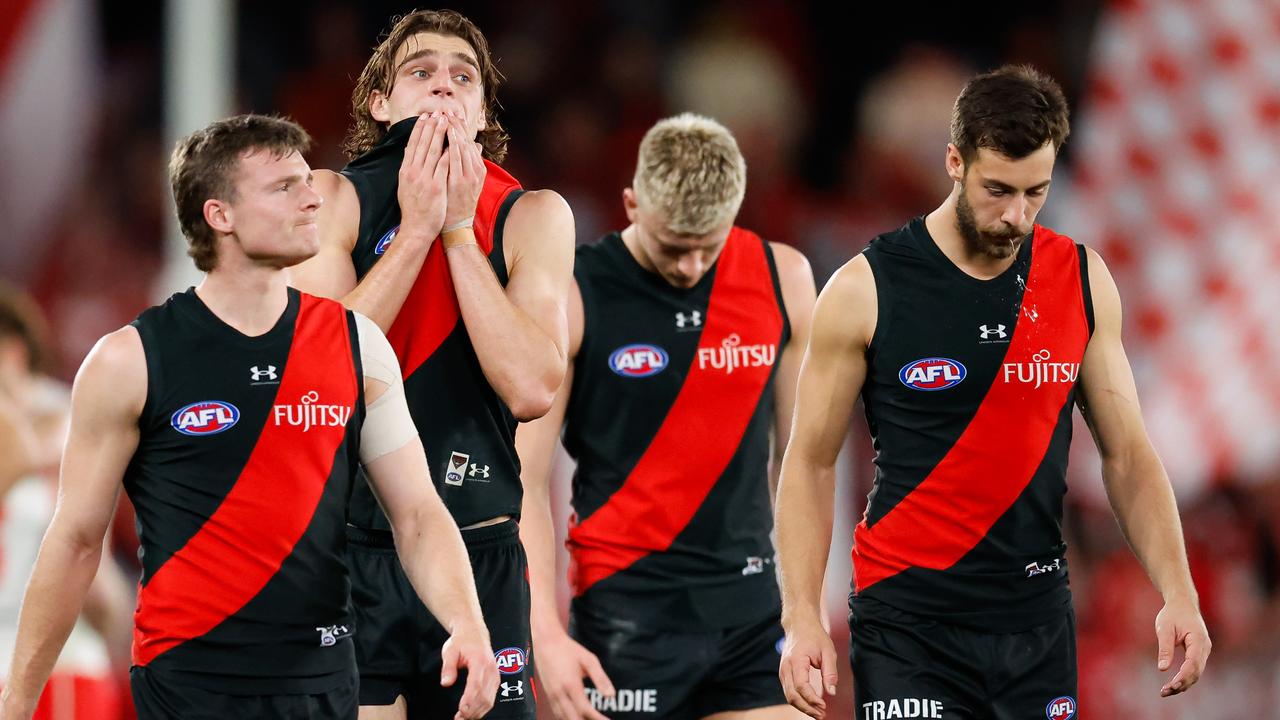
{"points": [[997, 244]]}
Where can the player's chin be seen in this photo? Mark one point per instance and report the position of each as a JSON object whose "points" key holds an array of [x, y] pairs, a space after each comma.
{"points": [[306, 240], [298, 255], [1001, 247]]}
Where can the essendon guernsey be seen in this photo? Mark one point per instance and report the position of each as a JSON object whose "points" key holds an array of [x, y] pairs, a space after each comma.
{"points": [[245, 458], [969, 393], [669, 419], [468, 432]]}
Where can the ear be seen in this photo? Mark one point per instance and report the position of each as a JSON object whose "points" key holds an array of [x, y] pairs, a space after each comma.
{"points": [[378, 106], [955, 163], [630, 205], [219, 216]]}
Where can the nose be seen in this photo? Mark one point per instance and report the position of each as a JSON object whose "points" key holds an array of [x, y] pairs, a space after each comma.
{"points": [[1015, 212], [690, 266], [311, 200], [442, 85]]}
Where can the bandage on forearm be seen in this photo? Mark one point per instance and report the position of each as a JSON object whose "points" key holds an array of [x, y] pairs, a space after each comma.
{"points": [[459, 236]]}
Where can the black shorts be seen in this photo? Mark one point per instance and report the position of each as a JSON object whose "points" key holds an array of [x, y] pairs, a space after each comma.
{"points": [[908, 666], [156, 696], [398, 642], [664, 674]]}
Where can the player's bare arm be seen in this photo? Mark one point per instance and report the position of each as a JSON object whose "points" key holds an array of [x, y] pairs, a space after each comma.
{"points": [[831, 377], [562, 661], [107, 400], [435, 560], [518, 334], [798, 295], [427, 540], [1137, 484], [381, 293]]}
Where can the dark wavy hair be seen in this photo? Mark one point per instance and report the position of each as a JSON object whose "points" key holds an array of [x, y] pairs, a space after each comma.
{"points": [[379, 74], [1013, 110]]}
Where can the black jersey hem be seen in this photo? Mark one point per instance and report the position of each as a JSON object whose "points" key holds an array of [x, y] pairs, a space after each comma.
{"points": [[235, 684]]}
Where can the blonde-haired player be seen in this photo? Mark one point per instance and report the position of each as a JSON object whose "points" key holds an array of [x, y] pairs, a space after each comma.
{"points": [[686, 334]]}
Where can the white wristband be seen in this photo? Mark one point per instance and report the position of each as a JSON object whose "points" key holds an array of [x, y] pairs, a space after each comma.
{"points": [[464, 223]]}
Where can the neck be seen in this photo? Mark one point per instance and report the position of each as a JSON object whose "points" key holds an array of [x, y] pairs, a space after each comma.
{"points": [[632, 242], [943, 225], [250, 298]]}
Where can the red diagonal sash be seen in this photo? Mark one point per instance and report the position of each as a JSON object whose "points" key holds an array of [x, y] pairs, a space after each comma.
{"points": [[995, 457], [430, 311], [242, 545], [701, 432]]}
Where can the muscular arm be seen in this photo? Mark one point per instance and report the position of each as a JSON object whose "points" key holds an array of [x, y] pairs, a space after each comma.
{"points": [[106, 402], [382, 291], [1135, 479], [108, 608], [426, 538], [798, 294], [831, 377], [562, 662], [519, 334], [536, 443], [437, 565]]}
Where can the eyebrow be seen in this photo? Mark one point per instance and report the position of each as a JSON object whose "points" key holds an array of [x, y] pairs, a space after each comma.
{"points": [[1009, 188], [295, 177], [459, 56]]}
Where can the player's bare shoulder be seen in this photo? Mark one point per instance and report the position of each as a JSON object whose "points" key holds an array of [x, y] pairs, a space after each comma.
{"points": [[847, 306], [793, 266], [539, 218], [340, 213], [795, 278], [114, 374]]}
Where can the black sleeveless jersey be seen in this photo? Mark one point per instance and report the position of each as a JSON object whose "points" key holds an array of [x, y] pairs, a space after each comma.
{"points": [[468, 432], [669, 419], [245, 459], [969, 393]]}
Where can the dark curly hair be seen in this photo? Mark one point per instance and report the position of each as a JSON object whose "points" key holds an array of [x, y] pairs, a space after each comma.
{"points": [[1014, 110], [379, 75]]}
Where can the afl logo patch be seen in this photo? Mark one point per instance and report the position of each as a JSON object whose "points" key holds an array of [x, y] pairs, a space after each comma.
{"points": [[1062, 708], [385, 242], [637, 361], [207, 417], [932, 374], [510, 660]]}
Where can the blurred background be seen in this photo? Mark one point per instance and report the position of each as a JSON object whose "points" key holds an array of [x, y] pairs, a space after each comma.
{"points": [[1171, 172]]}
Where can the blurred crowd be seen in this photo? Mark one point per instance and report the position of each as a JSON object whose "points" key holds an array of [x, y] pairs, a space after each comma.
{"points": [[843, 125]]}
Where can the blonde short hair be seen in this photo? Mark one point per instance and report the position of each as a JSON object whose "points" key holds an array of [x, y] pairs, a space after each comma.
{"points": [[691, 171]]}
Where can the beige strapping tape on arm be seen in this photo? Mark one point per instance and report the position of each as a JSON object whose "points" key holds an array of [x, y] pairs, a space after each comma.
{"points": [[387, 423]]}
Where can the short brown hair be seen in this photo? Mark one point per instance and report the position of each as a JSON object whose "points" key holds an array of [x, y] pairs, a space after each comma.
{"points": [[379, 74], [20, 317], [203, 166], [1014, 110], [690, 169]]}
